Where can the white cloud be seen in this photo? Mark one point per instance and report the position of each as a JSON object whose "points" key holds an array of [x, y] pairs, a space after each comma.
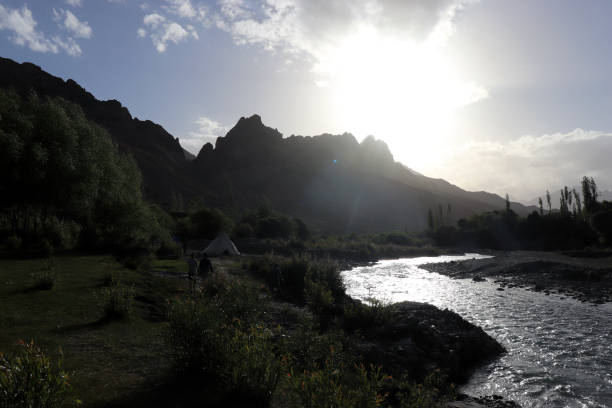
{"points": [[316, 26], [69, 45], [186, 9], [74, 3], [153, 20], [528, 166], [163, 31], [207, 132], [22, 26], [234, 9], [71, 23]]}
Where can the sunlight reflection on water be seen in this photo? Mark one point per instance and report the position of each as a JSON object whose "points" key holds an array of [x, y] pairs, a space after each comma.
{"points": [[559, 350]]}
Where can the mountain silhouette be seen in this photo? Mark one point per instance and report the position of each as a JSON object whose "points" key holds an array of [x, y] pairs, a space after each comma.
{"points": [[333, 182]]}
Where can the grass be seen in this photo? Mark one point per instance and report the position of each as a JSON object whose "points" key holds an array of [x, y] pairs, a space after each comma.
{"points": [[242, 355], [107, 359]]}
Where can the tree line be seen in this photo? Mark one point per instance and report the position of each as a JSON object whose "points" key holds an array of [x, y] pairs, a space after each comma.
{"points": [[581, 221], [64, 184]]}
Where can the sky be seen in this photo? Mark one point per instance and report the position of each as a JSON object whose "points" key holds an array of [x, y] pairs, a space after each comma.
{"points": [[503, 96]]}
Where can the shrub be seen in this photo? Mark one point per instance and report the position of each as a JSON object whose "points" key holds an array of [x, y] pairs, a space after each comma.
{"points": [[244, 230], [12, 243], [45, 276], [334, 384], [137, 258], [169, 250], [117, 300], [193, 334], [319, 299], [291, 278], [433, 392], [31, 379], [207, 333], [359, 316], [234, 298], [251, 367]]}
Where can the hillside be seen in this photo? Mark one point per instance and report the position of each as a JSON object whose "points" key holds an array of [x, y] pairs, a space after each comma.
{"points": [[333, 182]]}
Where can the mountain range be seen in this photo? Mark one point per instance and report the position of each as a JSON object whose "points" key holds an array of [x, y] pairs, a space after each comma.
{"points": [[333, 182]]}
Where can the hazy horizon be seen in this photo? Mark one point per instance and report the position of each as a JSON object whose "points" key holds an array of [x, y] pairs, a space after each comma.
{"points": [[488, 95]]}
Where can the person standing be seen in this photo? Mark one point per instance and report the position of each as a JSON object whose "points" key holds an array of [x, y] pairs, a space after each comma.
{"points": [[205, 266]]}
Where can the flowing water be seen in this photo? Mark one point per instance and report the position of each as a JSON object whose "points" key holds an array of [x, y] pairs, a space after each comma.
{"points": [[559, 350]]}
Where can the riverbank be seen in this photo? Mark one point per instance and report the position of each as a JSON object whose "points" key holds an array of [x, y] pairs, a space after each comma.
{"points": [[583, 279]]}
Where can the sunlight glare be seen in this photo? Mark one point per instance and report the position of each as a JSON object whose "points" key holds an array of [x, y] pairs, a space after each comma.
{"points": [[403, 92]]}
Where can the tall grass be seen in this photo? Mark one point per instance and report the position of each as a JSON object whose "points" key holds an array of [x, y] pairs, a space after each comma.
{"points": [[292, 278], [31, 379], [217, 332]]}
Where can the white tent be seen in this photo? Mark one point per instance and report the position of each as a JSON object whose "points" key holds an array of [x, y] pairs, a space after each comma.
{"points": [[222, 245]]}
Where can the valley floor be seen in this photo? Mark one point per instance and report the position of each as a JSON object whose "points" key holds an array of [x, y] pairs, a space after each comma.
{"points": [[125, 363]]}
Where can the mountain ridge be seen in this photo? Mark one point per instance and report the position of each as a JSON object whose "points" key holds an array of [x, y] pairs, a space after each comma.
{"points": [[331, 181]]}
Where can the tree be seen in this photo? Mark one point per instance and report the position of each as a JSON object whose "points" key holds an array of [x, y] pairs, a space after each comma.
{"points": [[507, 203], [589, 194], [430, 219], [540, 205], [548, 201], [577, 202]]}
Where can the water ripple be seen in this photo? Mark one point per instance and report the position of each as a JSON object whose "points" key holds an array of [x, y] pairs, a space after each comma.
{"points": [[559, 350]]}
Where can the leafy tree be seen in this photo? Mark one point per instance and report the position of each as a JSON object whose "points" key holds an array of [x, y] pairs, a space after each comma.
{"points": [[540, 205], [63, 179], [589, 194], [430, 219]]}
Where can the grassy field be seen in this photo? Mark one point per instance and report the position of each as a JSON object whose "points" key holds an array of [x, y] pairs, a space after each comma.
{"points": [[108, 359]]}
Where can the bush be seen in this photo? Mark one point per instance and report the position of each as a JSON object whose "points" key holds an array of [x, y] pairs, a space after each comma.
{"points": [[215, 333], [136, 257], [45, 276], [291, 278], [359, 316], [117, 300], [334, 384], [250, 366], [433, 392], [12, 243], [169, 250], [319, 299], [193, 334], [244, 230], [30, 379]]}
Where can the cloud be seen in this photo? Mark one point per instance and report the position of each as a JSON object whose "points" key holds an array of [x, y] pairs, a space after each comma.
{"points": [[234, 9], [163, 31], [74, 3], [207, 132], [528, 166], [186, 9], [316, 26], [22, 26], [153, 20], [69, 45], [71, 23]]}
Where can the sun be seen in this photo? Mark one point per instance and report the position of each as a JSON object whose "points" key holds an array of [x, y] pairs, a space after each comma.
{"points": [[404, 92]]}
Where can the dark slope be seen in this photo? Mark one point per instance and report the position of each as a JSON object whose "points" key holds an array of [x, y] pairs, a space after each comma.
{"points": [[159, 155], [331, 181]]}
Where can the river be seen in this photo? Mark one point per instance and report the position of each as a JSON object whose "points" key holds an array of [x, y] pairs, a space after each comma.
{"points": [[559, 350]]}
